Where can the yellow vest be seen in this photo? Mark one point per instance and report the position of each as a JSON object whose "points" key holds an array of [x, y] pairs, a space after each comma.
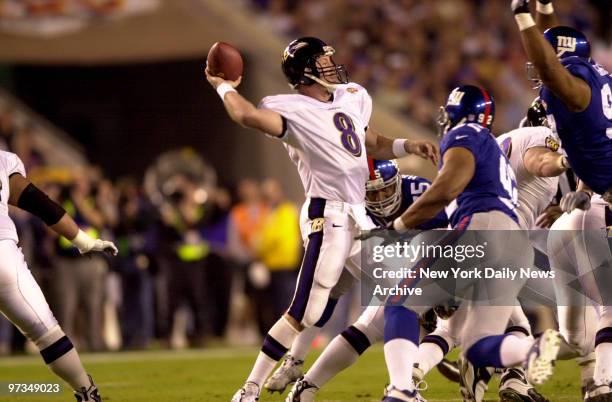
{"points": [[280, 243]]}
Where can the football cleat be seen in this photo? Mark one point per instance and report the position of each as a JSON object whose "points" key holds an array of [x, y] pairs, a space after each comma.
{"points": [[393, 394], [599, 393], [288, 372], [541, 358], [302, 391], [89, 394], [474, 382], [248, 393], [450, 370], [513, 387]]}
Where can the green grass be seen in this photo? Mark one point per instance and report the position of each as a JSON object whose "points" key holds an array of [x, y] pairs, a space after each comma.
{"points": [[212, 375]]}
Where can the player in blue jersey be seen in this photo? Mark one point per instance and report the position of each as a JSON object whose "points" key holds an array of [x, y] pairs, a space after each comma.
{"points": [[577, 93], [388, 194], [578, 97], [474, 172]]}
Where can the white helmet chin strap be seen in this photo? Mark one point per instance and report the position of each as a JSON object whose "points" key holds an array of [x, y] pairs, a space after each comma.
{"points": [[328, 85]]}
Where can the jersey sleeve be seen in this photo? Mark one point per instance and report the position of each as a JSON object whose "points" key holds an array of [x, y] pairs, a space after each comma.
{"points": [[366, 107], [13, 164], [531, 137], [579, 68], [464, 137], [276, 105]]}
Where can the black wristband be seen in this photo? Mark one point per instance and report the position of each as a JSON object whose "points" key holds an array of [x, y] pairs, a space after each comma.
{"points": [[39, 204]]}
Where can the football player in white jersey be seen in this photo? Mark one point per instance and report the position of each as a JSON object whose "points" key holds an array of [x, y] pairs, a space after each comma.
{"points": [[21, 299], [325, 128]]}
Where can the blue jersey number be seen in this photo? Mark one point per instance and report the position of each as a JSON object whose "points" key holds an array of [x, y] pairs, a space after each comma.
{"points": [[606, 100], [349, 138], [416, 189]]}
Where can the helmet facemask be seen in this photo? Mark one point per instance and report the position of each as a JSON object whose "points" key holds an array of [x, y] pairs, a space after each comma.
{"points": [[443, 121], [383, 198], [532, 75], [330, 75]]}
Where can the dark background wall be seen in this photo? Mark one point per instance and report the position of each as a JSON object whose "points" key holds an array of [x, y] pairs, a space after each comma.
{"points": [[126, 115]]}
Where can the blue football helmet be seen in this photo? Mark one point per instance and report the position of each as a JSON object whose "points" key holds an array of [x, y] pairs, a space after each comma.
{"points": [[383, 188], [467, 104], [567, 42]]}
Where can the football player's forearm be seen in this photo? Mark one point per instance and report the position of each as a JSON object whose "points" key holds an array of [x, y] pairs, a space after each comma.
{"points": [[542, 55], [66, 227], [423, 210], [442, 191], [247, 115], [551, 164], [546, 21], [545, 15], [238, 108], [382, 148], [571, 90]]}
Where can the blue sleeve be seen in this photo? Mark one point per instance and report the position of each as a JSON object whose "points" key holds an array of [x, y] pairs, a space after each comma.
{"points": [[579, 68], [464, 137]]}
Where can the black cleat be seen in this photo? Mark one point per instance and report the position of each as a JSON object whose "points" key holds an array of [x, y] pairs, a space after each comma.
{"points": [[89, 394]]}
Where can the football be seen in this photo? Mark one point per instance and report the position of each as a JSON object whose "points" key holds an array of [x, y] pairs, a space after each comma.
{"points": [[224, 61]]}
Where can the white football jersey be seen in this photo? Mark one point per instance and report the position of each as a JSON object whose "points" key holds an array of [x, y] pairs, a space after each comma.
{"points": [[9, 165], [534, 193], [326, 141]]}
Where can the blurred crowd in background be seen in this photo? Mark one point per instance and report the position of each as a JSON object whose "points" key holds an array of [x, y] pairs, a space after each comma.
{"points": [[410, 53], [198, 263]]}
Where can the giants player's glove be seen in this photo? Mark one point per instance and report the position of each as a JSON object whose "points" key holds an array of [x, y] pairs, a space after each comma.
{"points": [[381, 231], [575, 199], [85, 244], [520, 6]]}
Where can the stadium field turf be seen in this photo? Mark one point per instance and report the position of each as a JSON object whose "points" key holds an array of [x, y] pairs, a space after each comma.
{"points": [[211, 375]]}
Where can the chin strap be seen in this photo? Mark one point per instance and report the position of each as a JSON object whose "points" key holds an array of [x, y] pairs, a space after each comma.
{"points": [[328, 85]]}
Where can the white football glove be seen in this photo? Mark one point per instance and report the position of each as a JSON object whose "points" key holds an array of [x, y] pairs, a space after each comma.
{"points": [[575, 199], [85, 244]]}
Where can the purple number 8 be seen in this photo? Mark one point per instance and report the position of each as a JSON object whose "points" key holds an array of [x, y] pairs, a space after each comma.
{"points": [[349, 138]]}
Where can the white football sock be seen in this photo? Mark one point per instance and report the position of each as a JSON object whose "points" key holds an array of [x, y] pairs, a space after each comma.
{"points": [[70, 369], [603, 363], [514, 350], [282, 332], [302, 344], [587, 369], [399, 355], [429, 356], [337, 356], [261, 369], [66, 363]]}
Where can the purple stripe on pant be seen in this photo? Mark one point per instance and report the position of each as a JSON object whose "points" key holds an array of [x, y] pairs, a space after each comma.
{"points": [[316, 209]]}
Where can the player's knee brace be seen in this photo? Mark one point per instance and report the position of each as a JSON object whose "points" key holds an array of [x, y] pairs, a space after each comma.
{"points": [[53, 345]]}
